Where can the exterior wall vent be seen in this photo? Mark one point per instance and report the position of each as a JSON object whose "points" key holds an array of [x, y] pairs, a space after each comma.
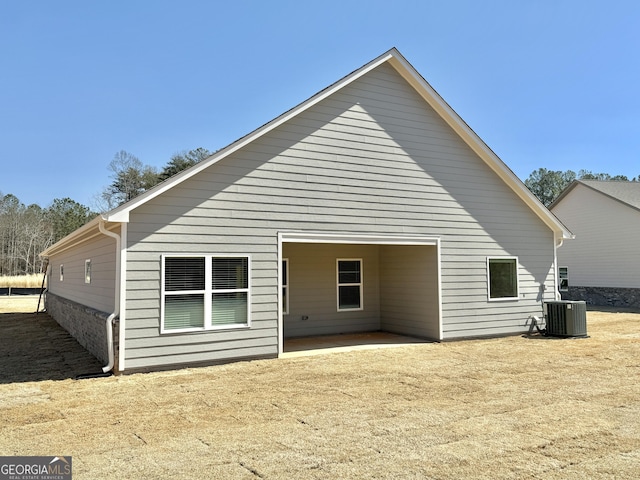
{"points": [[566, 318]]}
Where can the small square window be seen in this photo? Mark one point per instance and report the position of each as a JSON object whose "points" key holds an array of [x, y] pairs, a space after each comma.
{"points": [[502, 278], [87, 271]]}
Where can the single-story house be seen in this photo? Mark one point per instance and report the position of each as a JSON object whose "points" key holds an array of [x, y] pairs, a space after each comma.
{"points": [[371, 206], [602, 265]]}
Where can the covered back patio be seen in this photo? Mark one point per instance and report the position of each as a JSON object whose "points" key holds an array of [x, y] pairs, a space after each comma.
{"points": [[340, 284]]}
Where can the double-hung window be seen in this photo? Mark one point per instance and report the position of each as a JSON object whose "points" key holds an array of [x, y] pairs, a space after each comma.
{"points": [[349, 284], [203, 292], [502, 275]]}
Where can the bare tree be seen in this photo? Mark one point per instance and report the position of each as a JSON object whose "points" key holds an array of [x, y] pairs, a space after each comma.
{"points": [[130, 178], [10, 211], [24, 233]]}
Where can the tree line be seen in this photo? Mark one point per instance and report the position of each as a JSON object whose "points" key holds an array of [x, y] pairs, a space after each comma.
{"points": [[27, 230]]}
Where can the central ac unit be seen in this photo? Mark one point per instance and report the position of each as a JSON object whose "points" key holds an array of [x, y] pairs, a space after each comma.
{"points": [[565, 318]]}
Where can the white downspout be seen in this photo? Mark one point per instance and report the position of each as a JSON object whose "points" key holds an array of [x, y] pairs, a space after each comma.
{"points": [[559, 243], [116, 310]]}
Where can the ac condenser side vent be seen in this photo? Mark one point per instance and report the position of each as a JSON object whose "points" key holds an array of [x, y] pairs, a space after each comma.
{"points": [[566, 318]]}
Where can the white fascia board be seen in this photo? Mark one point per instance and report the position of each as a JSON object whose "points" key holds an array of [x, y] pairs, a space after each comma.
{"points": [[80, 235]]}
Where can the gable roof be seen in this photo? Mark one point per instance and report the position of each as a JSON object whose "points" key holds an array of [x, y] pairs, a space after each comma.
{"points": [[419, 84], [627, 193]]}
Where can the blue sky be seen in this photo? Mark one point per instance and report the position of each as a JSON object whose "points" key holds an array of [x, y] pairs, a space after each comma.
{"points": [[550, 84]]}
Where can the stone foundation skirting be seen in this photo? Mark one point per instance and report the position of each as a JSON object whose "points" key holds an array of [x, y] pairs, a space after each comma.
{"points": [[605, 296], [85, 324]]}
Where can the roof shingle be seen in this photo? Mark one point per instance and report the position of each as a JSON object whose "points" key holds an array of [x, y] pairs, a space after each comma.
{"points": [[626, 192]]}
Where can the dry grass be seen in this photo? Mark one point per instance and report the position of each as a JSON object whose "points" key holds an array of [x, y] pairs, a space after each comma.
{"points": [[23, 281], [20, 303], [507, 408]]}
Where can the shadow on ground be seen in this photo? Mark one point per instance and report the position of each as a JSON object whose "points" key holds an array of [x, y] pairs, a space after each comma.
{"points": [[33, 347]]}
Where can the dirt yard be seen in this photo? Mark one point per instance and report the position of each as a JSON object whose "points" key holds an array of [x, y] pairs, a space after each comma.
{"points": [[508, 408]]}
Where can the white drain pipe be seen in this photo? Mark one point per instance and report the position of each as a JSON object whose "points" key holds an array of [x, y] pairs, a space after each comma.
{"points": [[559, 243], [116, 310]]}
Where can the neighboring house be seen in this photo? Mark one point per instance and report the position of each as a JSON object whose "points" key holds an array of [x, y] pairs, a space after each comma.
{"points": [[370, 206], [602, 265]]}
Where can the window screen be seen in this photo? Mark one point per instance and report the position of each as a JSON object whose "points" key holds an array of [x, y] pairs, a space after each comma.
{"points": [[503, 278]]}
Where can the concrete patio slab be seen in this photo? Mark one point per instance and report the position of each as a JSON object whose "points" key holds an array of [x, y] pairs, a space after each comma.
{"points": [[320, 345]]}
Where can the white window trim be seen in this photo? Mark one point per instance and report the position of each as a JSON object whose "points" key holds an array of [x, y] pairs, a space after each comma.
{"points": [[338, 284], [503, 299], [285, 287], [62, 272], [87, 271], [560, 289], [208, 291]]}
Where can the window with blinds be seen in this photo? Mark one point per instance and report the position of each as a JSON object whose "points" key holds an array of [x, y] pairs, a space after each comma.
{"points": [[204, 292]]}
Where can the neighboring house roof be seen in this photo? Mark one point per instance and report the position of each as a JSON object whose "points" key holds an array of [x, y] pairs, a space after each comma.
{"points": [[421, 86], [627, 193]]}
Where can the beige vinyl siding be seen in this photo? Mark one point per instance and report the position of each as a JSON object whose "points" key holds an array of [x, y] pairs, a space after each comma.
{"points": [[605, 251], [372, 158], [313, 290], [100, 293], [409, 290]]}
